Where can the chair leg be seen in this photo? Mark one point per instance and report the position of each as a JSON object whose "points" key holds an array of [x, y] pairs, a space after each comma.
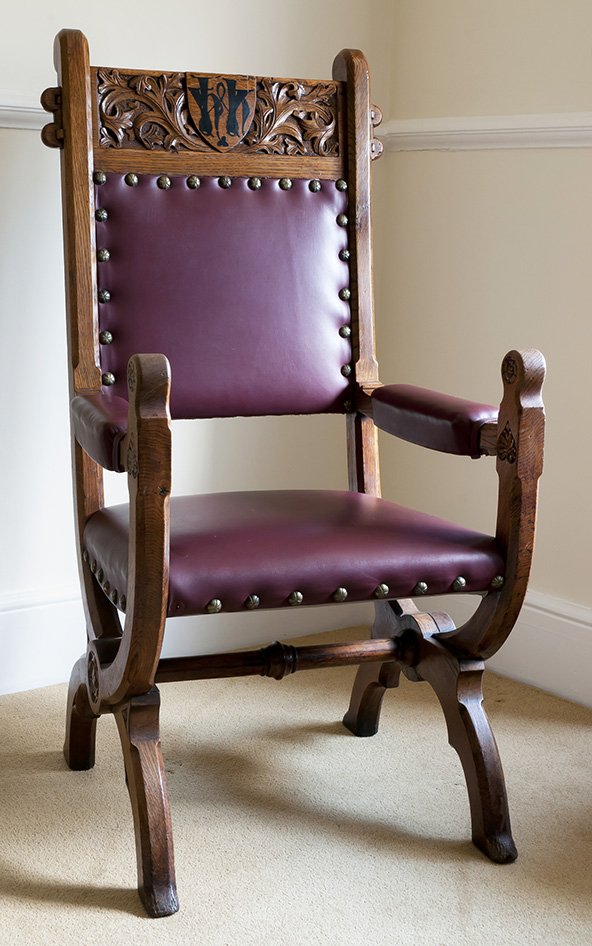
{"points": [[373, 680], [371, 683], [81, 723], [458, 686], [137, 722]]}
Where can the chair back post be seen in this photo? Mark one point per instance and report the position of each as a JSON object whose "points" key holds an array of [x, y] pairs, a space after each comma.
{"points": [[351, 67], [73, 68]]}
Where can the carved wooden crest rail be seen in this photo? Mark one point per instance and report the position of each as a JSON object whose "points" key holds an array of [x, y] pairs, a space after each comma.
{"points": [[155, 112]]}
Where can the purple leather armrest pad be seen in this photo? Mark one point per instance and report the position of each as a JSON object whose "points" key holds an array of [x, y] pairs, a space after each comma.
{"points": [[430, 419], [100, 424]]}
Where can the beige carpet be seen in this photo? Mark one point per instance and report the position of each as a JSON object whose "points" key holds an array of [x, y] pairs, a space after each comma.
{"points": [[289, 830]]}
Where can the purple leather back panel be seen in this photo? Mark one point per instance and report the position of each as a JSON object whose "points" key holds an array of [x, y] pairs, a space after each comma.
{"points": [[239, 288]]}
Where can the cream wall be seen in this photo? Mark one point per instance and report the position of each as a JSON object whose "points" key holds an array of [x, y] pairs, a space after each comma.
{"points": [[480, 252], [490, 57]]}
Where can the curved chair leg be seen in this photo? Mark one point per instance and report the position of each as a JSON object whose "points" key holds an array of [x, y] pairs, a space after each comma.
{"points": [[371, 683], [81, 723], [137, 722], [372, 680], [458, 686]]}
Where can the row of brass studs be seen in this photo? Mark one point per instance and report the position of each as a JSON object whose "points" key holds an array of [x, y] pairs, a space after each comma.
{"points": [[105, 337], [295, 598], [345, 330], [341, 594], [459, 584], [344, 294], [104, 296], [164, 182], [112, 593], [103, 256]]}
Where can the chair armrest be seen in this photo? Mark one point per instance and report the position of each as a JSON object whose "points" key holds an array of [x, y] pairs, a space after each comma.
{"points": [[430, 419], [146, 457], [99, 423]]}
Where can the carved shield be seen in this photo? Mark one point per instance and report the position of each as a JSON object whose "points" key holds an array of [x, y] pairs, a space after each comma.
{"points": [[221, 107]]}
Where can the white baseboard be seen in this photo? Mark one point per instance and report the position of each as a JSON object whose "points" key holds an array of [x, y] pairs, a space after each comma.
{"points": [[42, 634], [550, 646]]}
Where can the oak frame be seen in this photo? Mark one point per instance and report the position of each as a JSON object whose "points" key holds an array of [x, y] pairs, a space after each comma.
{"points": [[119, 671]]}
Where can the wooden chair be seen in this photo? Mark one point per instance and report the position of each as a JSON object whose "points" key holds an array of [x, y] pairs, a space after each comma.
{"points": [[222, 224]]}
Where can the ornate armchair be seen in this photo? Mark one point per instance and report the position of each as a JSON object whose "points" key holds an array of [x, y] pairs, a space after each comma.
{"points": [[221, 225]]}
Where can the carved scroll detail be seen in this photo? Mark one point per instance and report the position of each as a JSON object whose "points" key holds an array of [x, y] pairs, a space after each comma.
{"points": [[509, 369], [506, 445], [132, 458], [294, 118], [150, 112], [131, 377], [93, 676], [142, 111]]}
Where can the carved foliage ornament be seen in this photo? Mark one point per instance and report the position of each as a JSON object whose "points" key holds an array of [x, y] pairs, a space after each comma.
{"points": [[178, 112], [132, 458], [131, 377], [506, 445], [509, 369], [93, 676]]}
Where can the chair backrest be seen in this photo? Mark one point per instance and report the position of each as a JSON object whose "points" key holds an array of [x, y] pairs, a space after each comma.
{"points": [[223, 221]]}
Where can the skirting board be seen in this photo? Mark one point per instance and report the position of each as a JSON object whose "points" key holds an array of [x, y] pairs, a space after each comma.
{"points": [[41, 636], [549, 648]]}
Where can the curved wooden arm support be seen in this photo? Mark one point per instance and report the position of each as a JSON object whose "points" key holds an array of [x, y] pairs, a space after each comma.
{"points": [[519, 449], [147, 452]]}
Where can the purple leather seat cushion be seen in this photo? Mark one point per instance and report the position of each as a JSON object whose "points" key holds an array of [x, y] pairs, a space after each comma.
{"points": [[232, 545]]}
